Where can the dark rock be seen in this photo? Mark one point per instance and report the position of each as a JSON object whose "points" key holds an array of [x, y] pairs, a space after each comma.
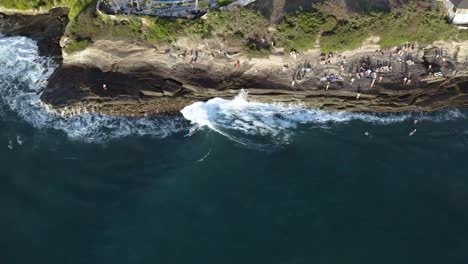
{"points": [[46, 29]]}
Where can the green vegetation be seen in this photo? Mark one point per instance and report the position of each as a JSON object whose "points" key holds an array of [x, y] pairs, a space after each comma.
{"points": [[162, 29], [27, 4], [196, 29], [76, 6], [412, 25], [347, 35], [249, 29], [75, 46], [241, 26], [224, 2], [92, 27], [299, 31], [408, 24], [239, 23], [203, 4]]}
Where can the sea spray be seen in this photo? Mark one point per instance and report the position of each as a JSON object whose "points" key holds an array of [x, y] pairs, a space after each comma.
{"points": [[241, 120], [23, 74]]}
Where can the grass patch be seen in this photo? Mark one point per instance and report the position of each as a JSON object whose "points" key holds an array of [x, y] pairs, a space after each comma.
{"points": [[412, 25], [89, 25], [75, 46], [162, 30], [92, 26], [27, 4], [299, 31], [224, 2], [406, 24], [76, 6], [238, 23], [346, 35]]}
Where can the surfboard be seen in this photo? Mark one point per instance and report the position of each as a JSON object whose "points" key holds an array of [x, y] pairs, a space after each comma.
{"points": [[192, 131]]}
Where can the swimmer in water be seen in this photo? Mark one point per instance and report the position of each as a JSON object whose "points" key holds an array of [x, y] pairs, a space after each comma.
{"points": [[412, 132], [416, 121], [366, 133], [10, 144], [19, 140]]}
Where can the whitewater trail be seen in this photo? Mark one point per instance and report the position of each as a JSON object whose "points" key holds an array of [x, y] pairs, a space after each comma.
{"points": [[23, 74], [258, 123]]}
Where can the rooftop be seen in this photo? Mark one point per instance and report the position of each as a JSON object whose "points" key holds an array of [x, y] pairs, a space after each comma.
{"points": [[463, 4], [167, 8]]}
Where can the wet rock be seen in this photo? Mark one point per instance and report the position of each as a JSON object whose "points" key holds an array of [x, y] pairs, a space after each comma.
{"points": [[46, 29]]}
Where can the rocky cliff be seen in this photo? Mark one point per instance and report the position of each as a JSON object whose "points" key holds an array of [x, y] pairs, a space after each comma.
{"points": [[127, 78]]}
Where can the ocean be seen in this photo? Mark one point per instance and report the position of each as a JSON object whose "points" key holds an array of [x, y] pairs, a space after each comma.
{"points": [[256, 183]]}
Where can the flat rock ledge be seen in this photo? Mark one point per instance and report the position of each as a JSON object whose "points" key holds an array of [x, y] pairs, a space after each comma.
{"points": [[141, 92]]}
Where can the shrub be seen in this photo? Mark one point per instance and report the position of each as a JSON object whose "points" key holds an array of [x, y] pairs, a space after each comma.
{"points": [[299, 31], [224, 2], [76, 6], [162, 29], [239, 23], [347, 35], [406, 24], [196, 29]]}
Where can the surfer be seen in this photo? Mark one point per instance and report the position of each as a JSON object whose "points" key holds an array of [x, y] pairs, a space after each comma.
{"points": [[19, 140], [192, 130], [412, 132]]}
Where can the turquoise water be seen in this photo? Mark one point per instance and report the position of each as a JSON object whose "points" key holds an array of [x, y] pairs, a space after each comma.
{"points": [[257, 184]]}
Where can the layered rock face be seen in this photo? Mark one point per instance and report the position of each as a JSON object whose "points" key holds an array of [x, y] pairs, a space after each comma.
{"points": [[46, 29], [130, 79]]}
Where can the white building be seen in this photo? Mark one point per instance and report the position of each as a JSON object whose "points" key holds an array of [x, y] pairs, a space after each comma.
{"points": [[457, 11]]}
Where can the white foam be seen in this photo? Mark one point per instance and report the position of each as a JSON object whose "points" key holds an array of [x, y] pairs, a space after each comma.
{"points": [[23, 73], [238, 118]]}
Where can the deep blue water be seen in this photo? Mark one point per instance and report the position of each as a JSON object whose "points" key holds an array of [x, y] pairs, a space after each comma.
{"points": [[101, 190]]}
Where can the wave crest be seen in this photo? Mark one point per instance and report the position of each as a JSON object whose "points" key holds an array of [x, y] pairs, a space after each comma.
{"points": [[274, 124], [23, 74]]}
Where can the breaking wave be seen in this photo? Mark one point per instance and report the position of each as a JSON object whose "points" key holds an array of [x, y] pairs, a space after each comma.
{"points": [[258, 124], [23, 74]]}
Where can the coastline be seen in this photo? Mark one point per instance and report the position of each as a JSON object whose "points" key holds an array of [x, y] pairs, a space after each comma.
{"points": [[46, 28], [145, 80], [166, 82]]}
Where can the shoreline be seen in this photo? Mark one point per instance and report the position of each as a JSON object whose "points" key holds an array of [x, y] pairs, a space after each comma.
{"points": [[147, 80], [45, 28], [165, 82]]}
